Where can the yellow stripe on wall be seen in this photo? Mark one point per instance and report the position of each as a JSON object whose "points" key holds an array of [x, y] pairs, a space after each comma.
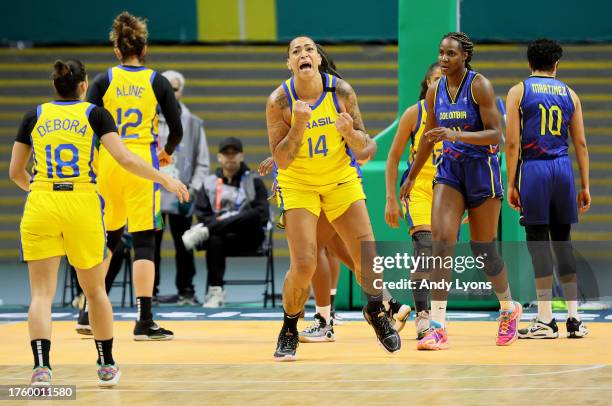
{"points": [[260, 20], [217, 20]]}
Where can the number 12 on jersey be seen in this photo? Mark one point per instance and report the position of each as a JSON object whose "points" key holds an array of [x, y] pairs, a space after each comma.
{"points": [[319, 148]]}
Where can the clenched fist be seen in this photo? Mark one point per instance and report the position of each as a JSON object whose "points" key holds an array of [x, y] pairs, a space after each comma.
{"points": [[344, 123], [301, 112]]}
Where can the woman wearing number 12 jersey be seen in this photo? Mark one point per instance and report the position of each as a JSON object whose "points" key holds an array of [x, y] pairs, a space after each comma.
{"points": [[132, 92]]}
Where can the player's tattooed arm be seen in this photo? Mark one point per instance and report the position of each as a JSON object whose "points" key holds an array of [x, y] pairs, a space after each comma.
{"points": [[349, 123], [284, 139]]}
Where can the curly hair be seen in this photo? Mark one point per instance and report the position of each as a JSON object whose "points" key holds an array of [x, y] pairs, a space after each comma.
{"points": [[543, 53], [466, 44], [129, 34]]}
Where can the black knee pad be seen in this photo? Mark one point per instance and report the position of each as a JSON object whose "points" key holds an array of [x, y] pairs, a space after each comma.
{"points": [[422, 244], [562, 246], [538, 245], [493, 262], [537, 233], [144, 245], [113, 238]]}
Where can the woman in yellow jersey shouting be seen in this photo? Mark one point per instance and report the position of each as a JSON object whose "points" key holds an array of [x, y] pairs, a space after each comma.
{"points": [[63, 212], [418, 211], [314, 124], [132, 92]]}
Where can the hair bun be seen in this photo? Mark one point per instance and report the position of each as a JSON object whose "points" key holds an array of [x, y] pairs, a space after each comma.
{"points": [[60, 70]]}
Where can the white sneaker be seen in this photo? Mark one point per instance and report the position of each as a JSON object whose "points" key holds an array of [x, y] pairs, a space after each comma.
{"points": [[538, 330], [196, 235], [318, 331], [215, 297]]}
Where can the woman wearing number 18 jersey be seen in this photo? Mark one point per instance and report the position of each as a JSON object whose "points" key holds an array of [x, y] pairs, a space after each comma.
{"points": [[63, 214], [132, 92]]}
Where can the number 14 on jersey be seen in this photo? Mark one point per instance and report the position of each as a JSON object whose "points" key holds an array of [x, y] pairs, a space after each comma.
{"points": [[320, 147]]}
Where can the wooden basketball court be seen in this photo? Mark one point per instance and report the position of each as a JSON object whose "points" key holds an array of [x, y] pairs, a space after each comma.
{"points": [[230, 362]]}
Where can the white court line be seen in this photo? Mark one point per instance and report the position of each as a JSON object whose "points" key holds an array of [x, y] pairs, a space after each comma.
{"points": [[246, 382], [360, 390]]}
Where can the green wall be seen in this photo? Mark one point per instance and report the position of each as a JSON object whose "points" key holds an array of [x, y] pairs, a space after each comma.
{"points": [[525, 20], [41, 21], [338, 20]]}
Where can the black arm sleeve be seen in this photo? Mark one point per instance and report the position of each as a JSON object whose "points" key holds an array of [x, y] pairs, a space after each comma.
{"points": [[203, 209], [169, 108], [26, 127], [101, 121], [97, 88]]}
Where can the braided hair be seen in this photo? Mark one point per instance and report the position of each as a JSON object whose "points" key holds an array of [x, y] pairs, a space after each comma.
{"points": [[327, 64], [466, 44]]}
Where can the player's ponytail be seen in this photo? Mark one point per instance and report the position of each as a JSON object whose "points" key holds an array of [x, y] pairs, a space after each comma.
{"points": [[129, 34], [466, 44], [327, 64], [424, 83], [66, 77]]}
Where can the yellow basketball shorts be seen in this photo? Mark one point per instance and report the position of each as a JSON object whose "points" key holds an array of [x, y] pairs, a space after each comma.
{"points": [[333, 199], [418, 210], [129, 199], [63, 222]]}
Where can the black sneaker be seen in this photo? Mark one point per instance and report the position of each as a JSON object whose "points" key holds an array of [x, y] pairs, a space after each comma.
{"points": [[387, 337], [575, 328], [148, 330], [83, 326], [188, 299], [167, 298], [539, 330], [286, 346]]}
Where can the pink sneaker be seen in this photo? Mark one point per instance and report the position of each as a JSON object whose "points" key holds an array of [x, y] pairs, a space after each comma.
{"points": [[435, 339], [507, 332], [41, 376]]}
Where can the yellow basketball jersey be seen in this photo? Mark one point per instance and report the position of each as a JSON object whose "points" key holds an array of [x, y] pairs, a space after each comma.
{"points": [[63, 143], [429, 169], [131, 100], [324, 157]]}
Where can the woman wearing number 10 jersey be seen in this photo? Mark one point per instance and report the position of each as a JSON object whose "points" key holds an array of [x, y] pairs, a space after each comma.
{"points": [[132, 92]]}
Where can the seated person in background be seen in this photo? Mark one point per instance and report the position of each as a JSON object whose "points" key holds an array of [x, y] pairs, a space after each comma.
{"points": [[232, 212]]}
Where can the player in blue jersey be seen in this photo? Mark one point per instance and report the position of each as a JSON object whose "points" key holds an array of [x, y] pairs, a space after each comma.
{"points": [[461, 112], [541, 113]]}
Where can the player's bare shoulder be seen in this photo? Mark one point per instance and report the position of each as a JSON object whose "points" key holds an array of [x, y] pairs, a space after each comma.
{"points": [[277, 101]]}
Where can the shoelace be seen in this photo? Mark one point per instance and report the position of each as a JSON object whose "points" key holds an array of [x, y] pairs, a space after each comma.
{"points": [[41, 374], [314, 326], [382, 323], [107, 371], [287, 340], [504, 320]]}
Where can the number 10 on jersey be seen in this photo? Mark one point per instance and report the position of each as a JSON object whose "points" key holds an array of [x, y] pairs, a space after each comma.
{"points": [[319, 148]]}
